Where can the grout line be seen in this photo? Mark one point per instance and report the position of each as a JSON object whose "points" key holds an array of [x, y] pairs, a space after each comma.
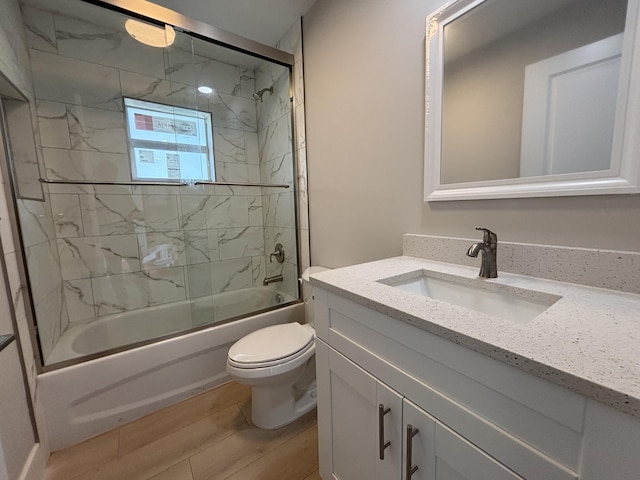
{"points": [[81, 475], [312, 473], [170, 467], [118, 452], [248, 420], [190, 467], [268, 451]]}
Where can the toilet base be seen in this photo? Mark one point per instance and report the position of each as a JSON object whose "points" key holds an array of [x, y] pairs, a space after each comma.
{"points": [[273, 408]]}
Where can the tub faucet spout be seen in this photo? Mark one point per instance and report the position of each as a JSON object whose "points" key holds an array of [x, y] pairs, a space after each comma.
{"points": [[489, 249], [274, 279]]}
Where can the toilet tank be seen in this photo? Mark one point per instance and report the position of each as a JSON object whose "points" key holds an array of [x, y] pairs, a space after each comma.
{"points": [[307, 291]]}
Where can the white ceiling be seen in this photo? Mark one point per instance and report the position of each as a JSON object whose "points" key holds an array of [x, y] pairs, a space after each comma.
{"points": [[264, 21]]}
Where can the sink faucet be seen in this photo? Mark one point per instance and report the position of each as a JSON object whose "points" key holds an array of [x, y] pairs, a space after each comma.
{"points": [[489, 249]]}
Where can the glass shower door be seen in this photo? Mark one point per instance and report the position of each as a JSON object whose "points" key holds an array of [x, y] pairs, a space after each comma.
{"points": [[169, 180]]}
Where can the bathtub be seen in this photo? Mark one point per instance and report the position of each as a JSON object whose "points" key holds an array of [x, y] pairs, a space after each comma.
{"points": [[89, 398], [127, 328]]}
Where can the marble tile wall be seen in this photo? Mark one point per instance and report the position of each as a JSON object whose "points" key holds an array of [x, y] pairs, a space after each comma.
{"points": [[275, 147], [292, 42], [120, 247], [13, 54], [35, 215], [285, 210], [39, 243]]}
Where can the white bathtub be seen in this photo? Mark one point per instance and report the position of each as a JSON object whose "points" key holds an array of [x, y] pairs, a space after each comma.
{"points": [[122, 329], [89, 398]]}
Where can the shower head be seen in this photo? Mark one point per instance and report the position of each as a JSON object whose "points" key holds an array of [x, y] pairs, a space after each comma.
{"points": [[258, 95]]}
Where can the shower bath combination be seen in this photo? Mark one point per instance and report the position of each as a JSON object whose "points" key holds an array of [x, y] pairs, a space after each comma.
{"points": [[258, 95], [167, 230], [133, 251]]}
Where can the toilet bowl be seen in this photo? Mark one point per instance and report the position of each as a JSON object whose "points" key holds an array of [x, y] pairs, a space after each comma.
{"points": [[278, 363]]}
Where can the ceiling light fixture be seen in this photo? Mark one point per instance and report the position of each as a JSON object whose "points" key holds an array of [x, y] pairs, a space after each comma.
{"points": [[204, 89], [150, 34]]}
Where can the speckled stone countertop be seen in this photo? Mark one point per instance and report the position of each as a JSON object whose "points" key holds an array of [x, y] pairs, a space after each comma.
{"points": [[587, 341]]}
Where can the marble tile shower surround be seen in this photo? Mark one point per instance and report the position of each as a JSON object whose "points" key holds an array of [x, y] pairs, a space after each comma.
{"points": [[292, 42], [615, 270], [39, 243], [122, 248], [275, 144]]}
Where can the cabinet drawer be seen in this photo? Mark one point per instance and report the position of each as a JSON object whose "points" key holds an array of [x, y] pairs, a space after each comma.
{"points": [[458, 459], [438, 453]]}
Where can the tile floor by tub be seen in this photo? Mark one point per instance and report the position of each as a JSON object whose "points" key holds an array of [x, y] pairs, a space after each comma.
{"points": [[209, 436]]}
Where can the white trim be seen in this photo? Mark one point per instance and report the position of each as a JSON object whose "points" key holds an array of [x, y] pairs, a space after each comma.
{"points": [[36, 464]]}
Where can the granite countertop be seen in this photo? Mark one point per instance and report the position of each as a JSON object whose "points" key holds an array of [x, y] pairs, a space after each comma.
{"points": [[587, 341]]}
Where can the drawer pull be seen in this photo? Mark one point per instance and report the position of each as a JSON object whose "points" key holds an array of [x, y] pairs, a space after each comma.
{"points": [[411, 469], [382, 444]]}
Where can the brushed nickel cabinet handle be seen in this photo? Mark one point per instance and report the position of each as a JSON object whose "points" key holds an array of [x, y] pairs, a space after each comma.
{"points": [[411, 469], [382, 444]]}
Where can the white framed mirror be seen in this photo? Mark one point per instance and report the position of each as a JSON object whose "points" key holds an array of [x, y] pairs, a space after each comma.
{"points": [[532, 98]]}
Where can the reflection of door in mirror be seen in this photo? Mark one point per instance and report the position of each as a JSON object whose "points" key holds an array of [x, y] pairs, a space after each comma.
{"points": [[569, 110], [486, 52]]}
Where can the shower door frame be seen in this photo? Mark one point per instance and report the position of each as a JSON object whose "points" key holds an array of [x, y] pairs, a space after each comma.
{"points": [[159, 15]]}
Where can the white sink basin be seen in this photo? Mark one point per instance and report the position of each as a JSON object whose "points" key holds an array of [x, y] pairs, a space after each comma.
{"points": [[512, 306]]}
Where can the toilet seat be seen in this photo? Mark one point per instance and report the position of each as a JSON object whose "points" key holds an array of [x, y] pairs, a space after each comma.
{"points": [[271, 346]]}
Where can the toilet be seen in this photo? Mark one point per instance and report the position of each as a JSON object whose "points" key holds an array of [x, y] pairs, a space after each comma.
{"points": [[278, 363]]}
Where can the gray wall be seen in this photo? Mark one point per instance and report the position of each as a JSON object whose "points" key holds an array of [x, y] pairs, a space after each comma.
{"points": [[364, 83]]}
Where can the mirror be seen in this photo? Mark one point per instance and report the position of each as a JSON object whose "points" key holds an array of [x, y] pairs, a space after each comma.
{"points": [[532, 98]]}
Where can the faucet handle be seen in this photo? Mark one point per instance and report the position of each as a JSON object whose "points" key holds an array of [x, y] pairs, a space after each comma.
{"points": [[278, 254], [488, 236]]}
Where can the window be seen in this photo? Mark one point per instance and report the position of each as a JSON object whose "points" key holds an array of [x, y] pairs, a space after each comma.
{"points": [[169, 143]]}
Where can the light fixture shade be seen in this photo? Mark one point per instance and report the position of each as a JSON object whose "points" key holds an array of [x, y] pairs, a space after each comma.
{"points": [[150, 34]]}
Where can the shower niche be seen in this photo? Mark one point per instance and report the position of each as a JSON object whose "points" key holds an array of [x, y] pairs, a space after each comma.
{"points": [[167, 174]]}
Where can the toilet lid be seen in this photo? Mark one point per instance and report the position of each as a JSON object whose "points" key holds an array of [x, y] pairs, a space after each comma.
{"points": [[271, 343]]}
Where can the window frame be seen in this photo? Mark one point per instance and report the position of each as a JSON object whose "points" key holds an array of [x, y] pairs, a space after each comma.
{"points": [[204, 121]]}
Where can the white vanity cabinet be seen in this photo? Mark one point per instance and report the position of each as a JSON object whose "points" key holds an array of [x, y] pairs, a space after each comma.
{"points": [[374, 433], [357, 423], [477, 418], [438, 453]]}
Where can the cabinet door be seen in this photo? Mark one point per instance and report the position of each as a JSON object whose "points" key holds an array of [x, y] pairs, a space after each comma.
{"points": [[441, 454], [354, 412], [419, 443]]}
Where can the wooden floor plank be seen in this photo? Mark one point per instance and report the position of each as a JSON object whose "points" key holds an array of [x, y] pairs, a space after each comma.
{"points": [[73, 461], [242, 448], [296, 459], [203, 438], [157, 456], [314, 476], [171, 419], [181, 471]]}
